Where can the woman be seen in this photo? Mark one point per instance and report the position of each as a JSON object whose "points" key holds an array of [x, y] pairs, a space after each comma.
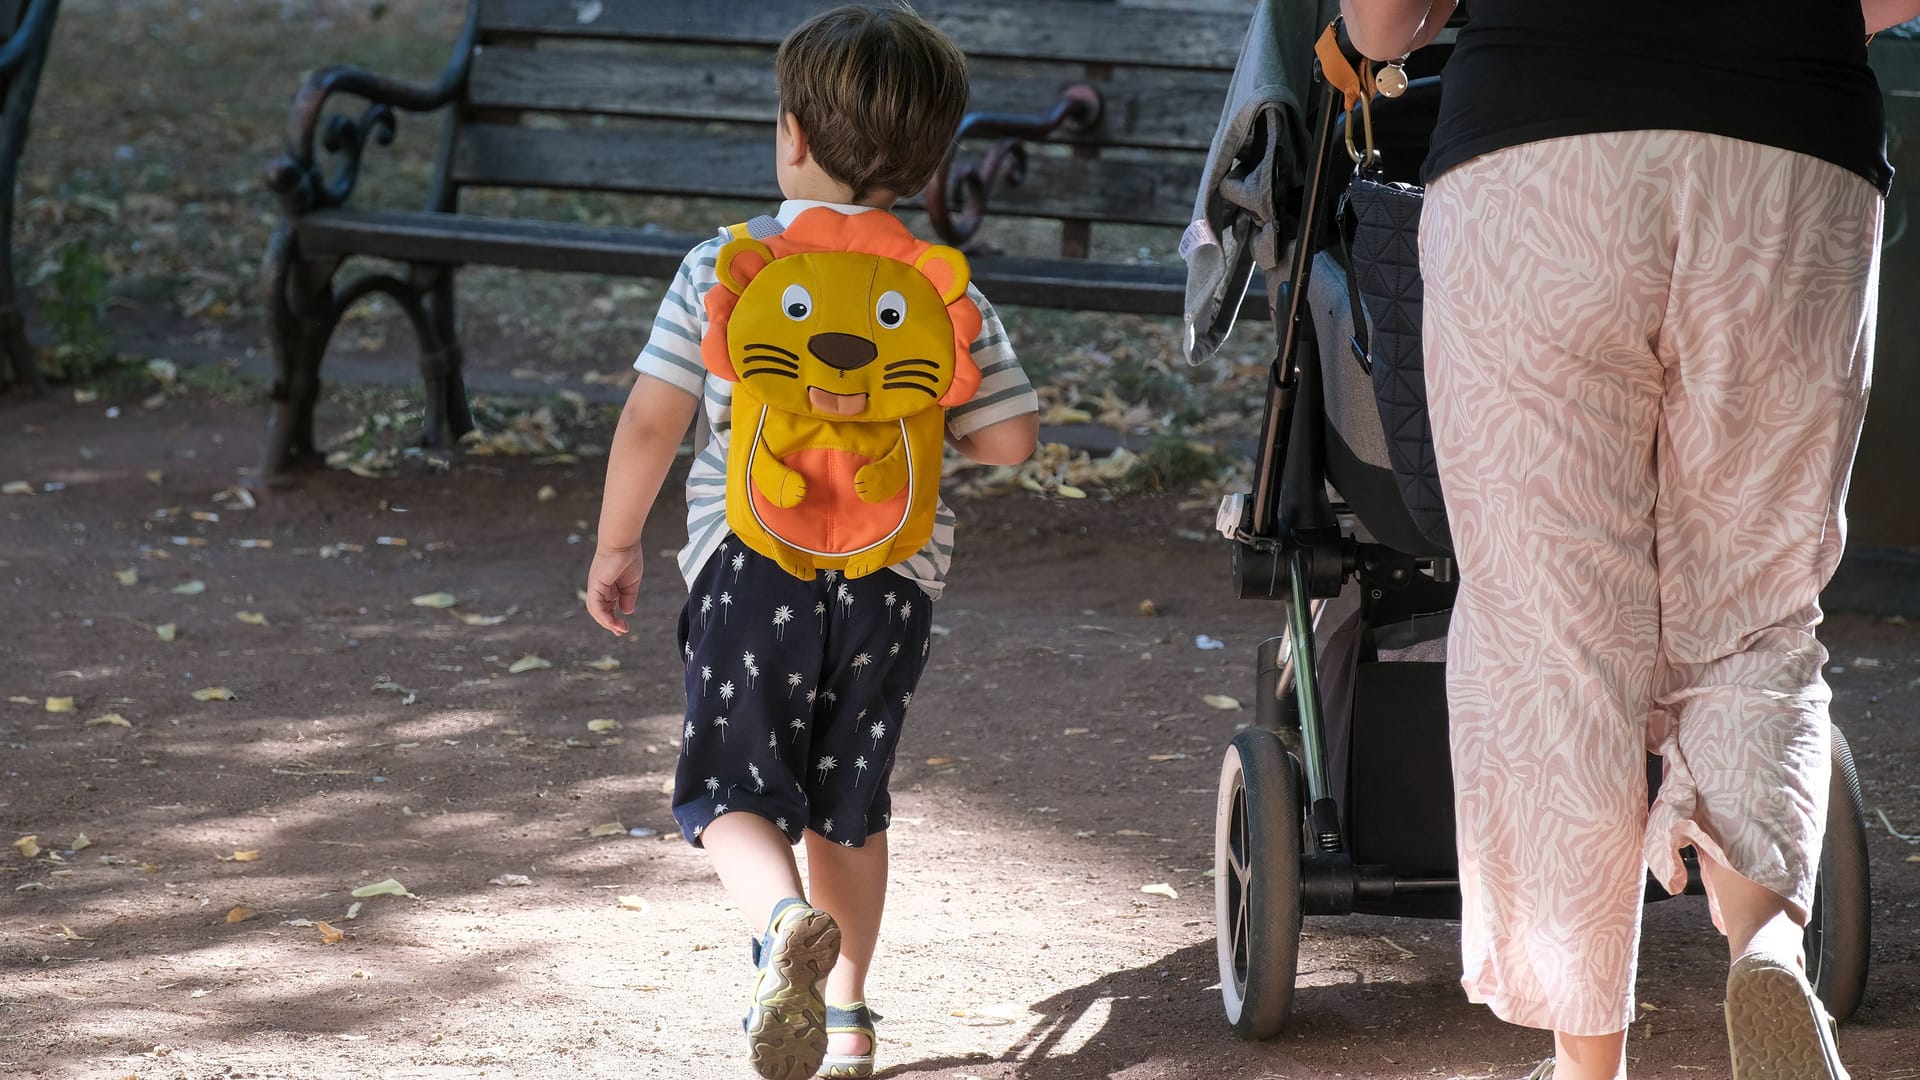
{"points": [[1650, 246]]}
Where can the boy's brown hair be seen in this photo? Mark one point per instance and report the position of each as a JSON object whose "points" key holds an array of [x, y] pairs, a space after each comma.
{"points": [[879, 92]]}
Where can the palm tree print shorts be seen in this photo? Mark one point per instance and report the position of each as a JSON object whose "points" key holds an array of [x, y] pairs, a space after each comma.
{"points": [[796, 692]]}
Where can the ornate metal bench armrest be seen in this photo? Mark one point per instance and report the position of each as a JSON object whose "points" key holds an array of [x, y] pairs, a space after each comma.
{"points": [[300, 179], [957, 203], [31, 35]]}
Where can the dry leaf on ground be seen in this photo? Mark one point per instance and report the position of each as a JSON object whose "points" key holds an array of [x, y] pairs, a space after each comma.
{"points": [[113, 718], [165, 631], [610, 828], [215, 693], [605, 663], [129, 576], [633, 903], [528, 663], [251, 618], [389, 887], [80, 842], [1222, 701], [59, 704], [68, 933], [240, 913], [28, 846], [16, 487], [250, 855], [936, 762], [436, 600], [510, 879], [191, 588], [547, 493], [472, 619], [328, 935], [1160, 888], [603, 725]]}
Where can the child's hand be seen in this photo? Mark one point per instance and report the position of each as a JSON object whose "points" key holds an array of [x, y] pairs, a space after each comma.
{"points": [[613, 582]]}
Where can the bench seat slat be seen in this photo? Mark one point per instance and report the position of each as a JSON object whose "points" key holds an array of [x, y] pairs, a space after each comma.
{"points": [[460, 239], [1144, 107], [689, 162], [1030, 29]]}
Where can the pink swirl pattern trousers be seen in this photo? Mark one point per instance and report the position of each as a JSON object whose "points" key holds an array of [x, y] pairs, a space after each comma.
{"points": [[1648, 356]]}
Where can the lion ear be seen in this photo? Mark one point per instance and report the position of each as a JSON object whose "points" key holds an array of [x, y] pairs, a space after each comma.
{"points": [[740, 259], [947, 269]]}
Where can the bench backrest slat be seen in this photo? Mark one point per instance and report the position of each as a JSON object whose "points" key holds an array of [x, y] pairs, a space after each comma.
{"points": [[1034, 29], [1146, 107], [683, 160]]}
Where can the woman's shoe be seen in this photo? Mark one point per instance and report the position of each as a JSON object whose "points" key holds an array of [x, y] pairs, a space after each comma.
{"points": [[787, 1024], [1776, 1028], [854, 1019]]}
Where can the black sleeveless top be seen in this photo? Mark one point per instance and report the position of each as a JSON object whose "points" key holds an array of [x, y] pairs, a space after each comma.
{"points": [[1785, 73]]}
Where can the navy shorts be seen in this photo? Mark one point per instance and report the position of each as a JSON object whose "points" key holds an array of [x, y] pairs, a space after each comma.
{"points": [[796, 692]]}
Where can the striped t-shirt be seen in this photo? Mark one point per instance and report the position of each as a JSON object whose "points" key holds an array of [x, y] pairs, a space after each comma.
{"points": [[672, 355]]}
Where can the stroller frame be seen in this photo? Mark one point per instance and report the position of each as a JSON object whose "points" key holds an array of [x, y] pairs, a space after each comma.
{"points": [[1282, 846]]}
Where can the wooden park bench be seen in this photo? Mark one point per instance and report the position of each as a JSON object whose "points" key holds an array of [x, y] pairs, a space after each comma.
{"points": [[1085, 113]]}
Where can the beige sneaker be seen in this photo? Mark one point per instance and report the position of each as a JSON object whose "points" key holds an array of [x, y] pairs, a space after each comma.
{"points": [[1776, 1027]]}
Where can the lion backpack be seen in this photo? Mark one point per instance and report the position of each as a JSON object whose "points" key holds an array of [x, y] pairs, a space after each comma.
{"points": [[846, 339]]}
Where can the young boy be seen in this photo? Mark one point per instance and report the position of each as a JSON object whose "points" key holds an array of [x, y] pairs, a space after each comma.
{"points": [[869, 103]]}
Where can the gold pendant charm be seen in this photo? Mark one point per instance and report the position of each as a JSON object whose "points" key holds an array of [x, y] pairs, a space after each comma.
{"points": [[1391, 80]]}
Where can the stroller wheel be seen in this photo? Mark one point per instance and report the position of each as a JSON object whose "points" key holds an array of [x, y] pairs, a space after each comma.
{"points": [[1256, 857], [1837, 940]]}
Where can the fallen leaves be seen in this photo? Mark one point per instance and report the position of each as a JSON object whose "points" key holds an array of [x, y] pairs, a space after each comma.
{"points": [[240, 913], [1223, 702], [1160, 888], [190, 588], [610, 828], [936, 762], [389, 887], [473, 619], [28, 846], [59, 704], [384, 683], [598, 726], [166, 631], [129, 576], [510, 880], [16, 487], [547, 493], [250, 855], [605, 663], [68, 933], [215, 693], [526, 663], [80, 842], [251, 618], [632, 903], [328, 935], [437, 600]]}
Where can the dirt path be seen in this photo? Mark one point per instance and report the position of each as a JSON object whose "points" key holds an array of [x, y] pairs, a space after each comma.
{"points": [[1059, 758]]}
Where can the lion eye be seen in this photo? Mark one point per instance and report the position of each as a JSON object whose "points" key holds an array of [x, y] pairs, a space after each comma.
{"points": [[891, 310], [797, 302]]}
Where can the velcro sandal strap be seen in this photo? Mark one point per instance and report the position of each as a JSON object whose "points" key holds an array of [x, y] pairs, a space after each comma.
{"points": [[854, 1019]]}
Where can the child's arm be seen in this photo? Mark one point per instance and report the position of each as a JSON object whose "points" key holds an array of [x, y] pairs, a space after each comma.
{"points": [[1001, 424], [652, 424], [1007, 442]]}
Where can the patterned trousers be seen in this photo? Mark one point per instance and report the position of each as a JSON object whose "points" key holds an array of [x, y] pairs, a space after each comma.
{"points": [[1647, 359]]}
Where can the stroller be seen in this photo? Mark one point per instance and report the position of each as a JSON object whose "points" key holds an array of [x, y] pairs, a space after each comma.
{"points": [[1338, 799]]}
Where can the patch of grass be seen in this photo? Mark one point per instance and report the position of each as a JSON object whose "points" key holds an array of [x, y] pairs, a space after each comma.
{"points": [[73, 289], [1172, 463]]}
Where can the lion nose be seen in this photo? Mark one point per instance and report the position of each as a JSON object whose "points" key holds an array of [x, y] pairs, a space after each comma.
{"points": [[843, 351]]}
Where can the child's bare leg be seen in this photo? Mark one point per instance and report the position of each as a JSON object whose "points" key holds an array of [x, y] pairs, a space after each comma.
{"points": [[851, 885], [755, 863]]}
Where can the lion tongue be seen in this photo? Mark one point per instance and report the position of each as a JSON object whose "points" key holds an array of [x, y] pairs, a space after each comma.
{"points": [[835, 404]]}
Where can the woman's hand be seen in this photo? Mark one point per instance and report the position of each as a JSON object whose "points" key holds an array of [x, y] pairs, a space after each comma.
{"points": [[1881, 14], [1389, 29], [613, 583]]}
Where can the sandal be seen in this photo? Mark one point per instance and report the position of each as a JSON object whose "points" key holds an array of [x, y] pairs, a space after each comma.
{"points": [[1542, 1071], [854, 1019], [787, 1024], [1776, 1028]]}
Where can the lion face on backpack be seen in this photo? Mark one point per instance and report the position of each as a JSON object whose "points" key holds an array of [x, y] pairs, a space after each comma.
{"points": [[843, 335]]}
